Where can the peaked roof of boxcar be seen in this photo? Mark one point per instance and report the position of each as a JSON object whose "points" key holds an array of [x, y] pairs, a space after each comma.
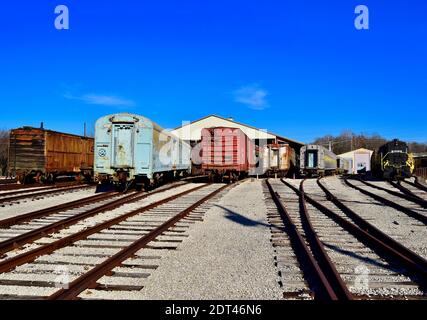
{"points": [[241, 124]]}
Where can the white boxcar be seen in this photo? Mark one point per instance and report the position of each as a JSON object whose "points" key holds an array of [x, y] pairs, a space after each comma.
{"points": [[360, 160], [132, 148]]}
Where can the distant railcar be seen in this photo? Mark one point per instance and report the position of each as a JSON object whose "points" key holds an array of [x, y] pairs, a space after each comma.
{"points": [[39, 155], [131, 149], [277, 159], [317, 160], [227, 153], [343, 165], [393, 161]]}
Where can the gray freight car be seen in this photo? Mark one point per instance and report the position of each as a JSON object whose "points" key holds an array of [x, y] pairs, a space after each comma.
{"points": [[317, 160]]}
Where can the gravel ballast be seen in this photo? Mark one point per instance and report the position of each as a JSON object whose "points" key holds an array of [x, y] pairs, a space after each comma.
{"points": [[228, 256]]}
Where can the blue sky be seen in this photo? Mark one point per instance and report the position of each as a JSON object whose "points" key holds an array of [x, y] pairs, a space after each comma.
{"points": [[298, 68]]}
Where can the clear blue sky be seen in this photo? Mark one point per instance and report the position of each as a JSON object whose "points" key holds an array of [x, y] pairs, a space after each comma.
{"points": [[298, 68]]}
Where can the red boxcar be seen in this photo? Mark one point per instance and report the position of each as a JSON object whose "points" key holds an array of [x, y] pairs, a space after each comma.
{"points": [[227, 153]]}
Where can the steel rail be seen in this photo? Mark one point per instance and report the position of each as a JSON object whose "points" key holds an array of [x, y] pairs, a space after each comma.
{"points": [[408, 192], [12, 187], [20, 189], [11, 263], [365, 231], [302, 251], [409, 212], [88, 280], [409, 197], [6, 223], [7, 181], [38, 233], [325, 262], [417, 184], [42, 193]]}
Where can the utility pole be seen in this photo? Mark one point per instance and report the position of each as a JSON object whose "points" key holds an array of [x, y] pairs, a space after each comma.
{"points": [[330, 145], [84, 130], [351, 142]]}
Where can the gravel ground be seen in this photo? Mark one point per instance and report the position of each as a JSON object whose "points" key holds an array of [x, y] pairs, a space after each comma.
{"points": [[410, 232], [228, 256], [26, 206]]}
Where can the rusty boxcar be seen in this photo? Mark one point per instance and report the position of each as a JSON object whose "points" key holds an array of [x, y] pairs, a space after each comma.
{"points": [[227, 153], [40, 155], [278, 159]]}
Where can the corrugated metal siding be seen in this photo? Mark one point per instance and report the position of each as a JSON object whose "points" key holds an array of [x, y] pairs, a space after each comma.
{"points": [[67, 153], [225, 149]]}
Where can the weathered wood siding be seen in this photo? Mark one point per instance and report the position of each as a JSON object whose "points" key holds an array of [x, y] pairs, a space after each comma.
{"points": [[27, 150], [49, 151]]}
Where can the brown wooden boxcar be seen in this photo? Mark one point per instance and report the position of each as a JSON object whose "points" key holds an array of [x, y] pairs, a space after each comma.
{"points": [[37, 154]]}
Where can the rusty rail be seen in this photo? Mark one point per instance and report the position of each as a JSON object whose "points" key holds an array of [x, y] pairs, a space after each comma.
{"points": [[38, 233], [406, 196], [89, 279], [303, 253], [29, 256], [42, 193], [408, 192], [417, 184], [5, 223], [23, 188], [328, 267], [377, 239], [409, 212], [7, 181]]}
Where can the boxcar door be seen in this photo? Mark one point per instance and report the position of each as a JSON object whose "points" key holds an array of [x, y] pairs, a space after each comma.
{"points": [[123, 145]]}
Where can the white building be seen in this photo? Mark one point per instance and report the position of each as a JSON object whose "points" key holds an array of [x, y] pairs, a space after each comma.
{"points": [[360, 160], [191, 132]]}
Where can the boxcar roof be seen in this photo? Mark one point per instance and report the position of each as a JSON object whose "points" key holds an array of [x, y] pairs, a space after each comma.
{"points": [[51, 131]]}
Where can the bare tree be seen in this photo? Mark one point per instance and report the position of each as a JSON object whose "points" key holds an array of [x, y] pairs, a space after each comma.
{"points": [[4, 150], [348, 141]]}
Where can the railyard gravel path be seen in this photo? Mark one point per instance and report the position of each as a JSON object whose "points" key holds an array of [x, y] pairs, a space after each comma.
{"points": [[228, 256]]}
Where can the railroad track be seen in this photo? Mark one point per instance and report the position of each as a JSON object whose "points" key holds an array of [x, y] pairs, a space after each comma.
{"points": [[16, 196], [419, 185], [7, 181], [14, 186], [409, 205], [412, 188], [303, 262], [342, 248], [20, 230], [108, 253]]}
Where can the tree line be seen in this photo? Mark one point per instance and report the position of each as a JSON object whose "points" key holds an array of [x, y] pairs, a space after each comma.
{"points": [[348, 141], [4, 151]]}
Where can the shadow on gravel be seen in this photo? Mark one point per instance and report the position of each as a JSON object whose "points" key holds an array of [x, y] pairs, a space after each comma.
{"points": [[238, 218], [359, 257]]}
